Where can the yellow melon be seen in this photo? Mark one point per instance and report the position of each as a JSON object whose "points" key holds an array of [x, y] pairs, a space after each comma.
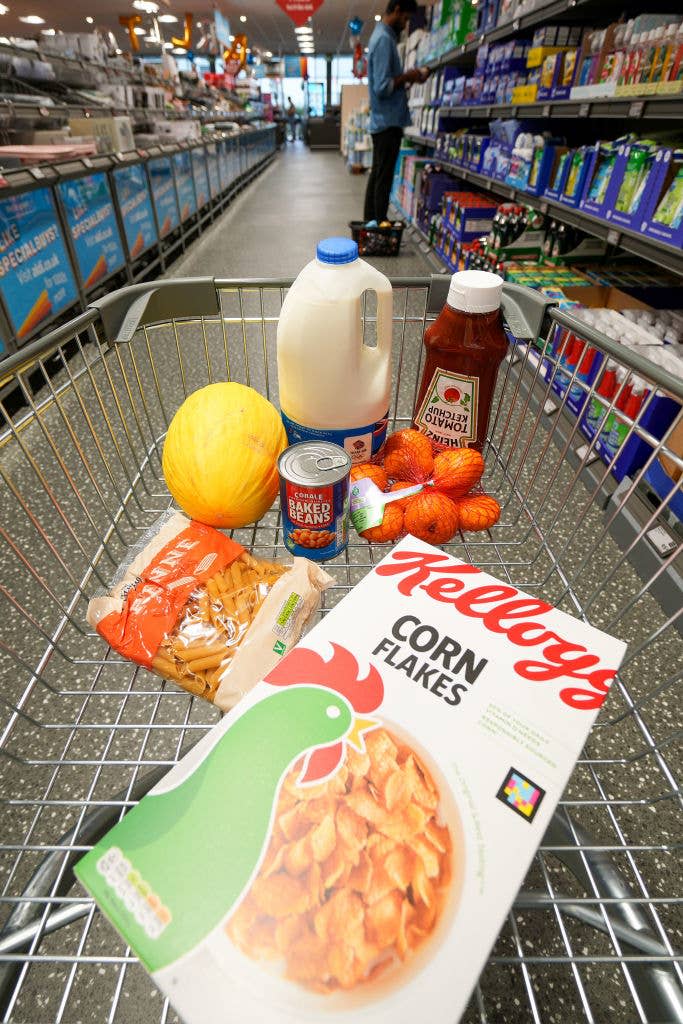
{"points": [[220, 455]]}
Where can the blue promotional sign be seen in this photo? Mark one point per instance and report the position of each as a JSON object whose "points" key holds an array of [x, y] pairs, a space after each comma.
{"points": [[222, 29], [36, 279], [214, 176], [223, 168], [163, 194], [292, 67], [184, 183], [92, 225], [135, 206], [201, 178]]}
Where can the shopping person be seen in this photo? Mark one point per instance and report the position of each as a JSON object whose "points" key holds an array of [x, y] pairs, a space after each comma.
{"points": [[291, 117], [389, 113]]}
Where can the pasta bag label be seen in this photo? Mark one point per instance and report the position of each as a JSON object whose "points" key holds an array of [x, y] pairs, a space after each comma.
{"points": [[151, 599]]}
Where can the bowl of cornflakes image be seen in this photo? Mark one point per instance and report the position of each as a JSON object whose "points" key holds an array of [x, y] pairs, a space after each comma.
{"points": [[361, 876]]}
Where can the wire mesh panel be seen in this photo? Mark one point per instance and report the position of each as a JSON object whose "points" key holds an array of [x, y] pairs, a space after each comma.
{"points": [[595, 932]]}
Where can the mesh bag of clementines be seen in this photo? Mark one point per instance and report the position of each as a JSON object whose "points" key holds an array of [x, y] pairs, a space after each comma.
{"points": [[417, 489]]}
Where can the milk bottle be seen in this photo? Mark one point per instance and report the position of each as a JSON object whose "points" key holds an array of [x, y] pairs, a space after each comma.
{"points": [[333, 386]]}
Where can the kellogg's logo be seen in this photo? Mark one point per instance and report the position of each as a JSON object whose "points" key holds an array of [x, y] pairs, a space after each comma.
{"points": [[503, 609]]}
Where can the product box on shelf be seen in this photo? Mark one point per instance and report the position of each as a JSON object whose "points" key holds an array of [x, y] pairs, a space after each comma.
{"points": [[597, 195], [524, 94], [473, 219], [558, 172], [380, 754], [610, 411], [663, 474], [573, 370], [636, 183], [664, 220], [115, 133], [580, 167], [542, 163]]}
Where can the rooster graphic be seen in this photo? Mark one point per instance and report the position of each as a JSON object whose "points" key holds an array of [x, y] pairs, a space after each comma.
{"points": [[196, 847]]}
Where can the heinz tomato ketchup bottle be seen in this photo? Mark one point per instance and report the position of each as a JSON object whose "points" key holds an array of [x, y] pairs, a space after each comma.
{"points": [[464, 348]]}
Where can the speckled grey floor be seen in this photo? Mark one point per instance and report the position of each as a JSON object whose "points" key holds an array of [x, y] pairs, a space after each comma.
{"points": [[78, 734], [271, 231]]}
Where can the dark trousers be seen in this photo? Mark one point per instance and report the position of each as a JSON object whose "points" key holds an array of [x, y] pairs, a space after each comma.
{"points": [[385, 147]]}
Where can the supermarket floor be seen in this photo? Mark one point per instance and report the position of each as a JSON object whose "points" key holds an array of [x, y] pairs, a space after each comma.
{"points": [[271, 230]]}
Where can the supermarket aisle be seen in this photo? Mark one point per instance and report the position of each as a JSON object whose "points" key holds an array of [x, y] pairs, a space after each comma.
{"points": [[271, 230]]}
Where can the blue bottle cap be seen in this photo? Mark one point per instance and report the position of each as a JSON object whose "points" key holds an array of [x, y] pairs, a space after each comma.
{"points": [[337, 250]]}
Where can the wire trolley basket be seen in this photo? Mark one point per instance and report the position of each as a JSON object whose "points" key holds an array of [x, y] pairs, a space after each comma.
{"points": [[595, 932]]}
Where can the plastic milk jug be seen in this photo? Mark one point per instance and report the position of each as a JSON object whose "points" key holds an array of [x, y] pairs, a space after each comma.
{"points": [[333, 386]]}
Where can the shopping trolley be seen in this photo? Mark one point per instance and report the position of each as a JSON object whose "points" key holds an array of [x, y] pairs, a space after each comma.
{"points": [[594, 934]]}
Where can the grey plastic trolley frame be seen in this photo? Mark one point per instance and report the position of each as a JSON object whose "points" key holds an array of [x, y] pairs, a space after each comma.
{"points": [[595, 931]]}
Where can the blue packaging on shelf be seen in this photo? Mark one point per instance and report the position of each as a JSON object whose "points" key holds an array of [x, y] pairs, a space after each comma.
{"points": [[663, 219], [580, 167], [558, 173], [613, 428], [662, 484], [636, 207]]}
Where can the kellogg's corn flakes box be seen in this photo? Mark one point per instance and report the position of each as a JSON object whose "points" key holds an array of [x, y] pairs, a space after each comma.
{"points": [[347, 842]]}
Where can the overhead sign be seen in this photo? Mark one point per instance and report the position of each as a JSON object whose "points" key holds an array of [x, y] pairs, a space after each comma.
{"points": [[299, 10], [92, 225], [36, 280], [292, 67], [135, 205]]}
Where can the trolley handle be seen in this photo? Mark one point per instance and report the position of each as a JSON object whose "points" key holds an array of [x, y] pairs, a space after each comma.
{"points": [[125, 310]]}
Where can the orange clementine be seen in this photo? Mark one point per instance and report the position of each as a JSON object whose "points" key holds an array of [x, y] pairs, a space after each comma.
{"points": [[457, 470], [372, 472], [408, 456], [390, 527], [478, 512], [431, 516], [401, 485]]}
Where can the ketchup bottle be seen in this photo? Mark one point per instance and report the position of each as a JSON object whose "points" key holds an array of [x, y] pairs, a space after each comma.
{"points": [[464, 348]]}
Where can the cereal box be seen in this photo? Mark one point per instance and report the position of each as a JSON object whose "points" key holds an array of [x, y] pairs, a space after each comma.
{"points": [[359, 825]]}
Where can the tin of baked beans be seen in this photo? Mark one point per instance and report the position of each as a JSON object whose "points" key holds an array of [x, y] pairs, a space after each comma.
{"points": [[314, 492]]}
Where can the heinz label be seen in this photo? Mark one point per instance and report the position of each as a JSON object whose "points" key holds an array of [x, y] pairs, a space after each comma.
{"points": [[448, 414]]}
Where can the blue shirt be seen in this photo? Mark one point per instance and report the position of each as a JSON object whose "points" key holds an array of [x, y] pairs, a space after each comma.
{"points": [[388, 103]]}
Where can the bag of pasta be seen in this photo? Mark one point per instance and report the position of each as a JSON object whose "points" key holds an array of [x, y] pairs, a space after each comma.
{"points": [[195, 607]]}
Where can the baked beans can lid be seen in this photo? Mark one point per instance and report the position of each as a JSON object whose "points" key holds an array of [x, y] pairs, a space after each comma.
{"points": [[314, 462]]}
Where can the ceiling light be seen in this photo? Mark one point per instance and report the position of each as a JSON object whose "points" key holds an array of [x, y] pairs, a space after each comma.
{"points": [[4, 9], [179, 49], [48, 32], [32, 19], [378, 17], [243, 17], [139, 31], [145, 5], [167, 19], [168, 46], [304, 30], [269, 53], [151, 39], [89, 20], [118, 52]]}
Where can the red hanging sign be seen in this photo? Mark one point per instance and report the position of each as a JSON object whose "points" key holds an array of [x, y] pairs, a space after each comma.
{"points": [[299, 10]]}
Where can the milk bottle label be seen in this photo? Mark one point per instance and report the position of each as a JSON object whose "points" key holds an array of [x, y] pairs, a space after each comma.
{"points": [[361, 443], [448, 414]]}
